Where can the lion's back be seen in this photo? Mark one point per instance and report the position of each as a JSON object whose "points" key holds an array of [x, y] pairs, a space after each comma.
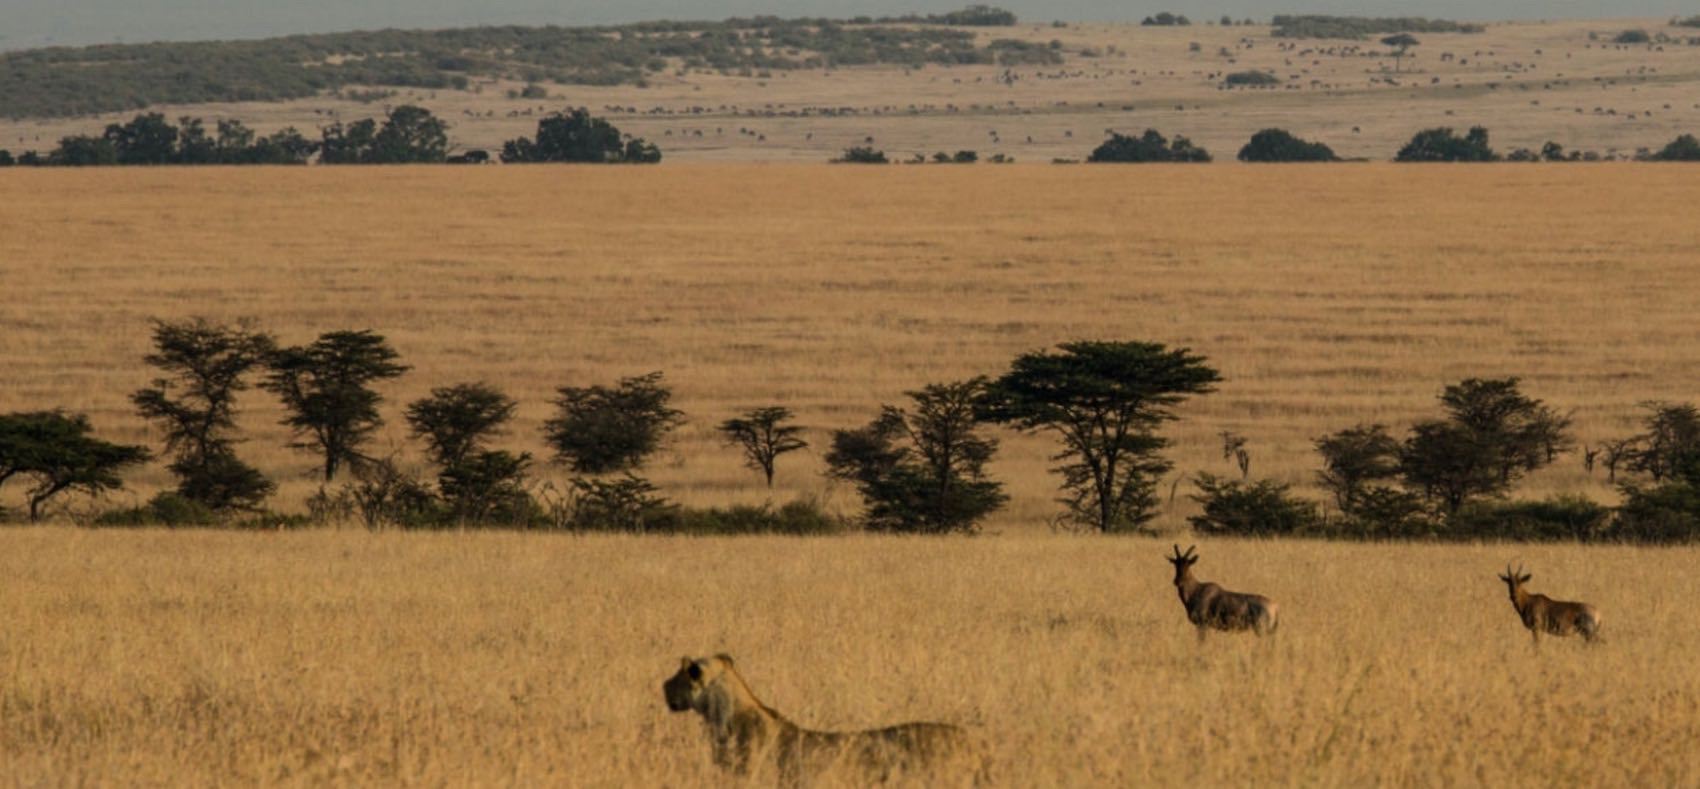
{"points": [[925, 752]]}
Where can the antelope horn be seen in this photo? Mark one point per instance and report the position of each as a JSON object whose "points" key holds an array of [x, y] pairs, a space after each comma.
{"points": [[1190, 551]]}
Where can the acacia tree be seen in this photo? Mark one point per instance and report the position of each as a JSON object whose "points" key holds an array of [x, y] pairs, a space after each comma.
{"points": [[1492, 435], [763, 436], [456, 422], [57, 451], [326, 388], [1671, 444], [922, 470], [1105, 401], [1354, 458], [194, 403], [604, 429], [1401, 43]]}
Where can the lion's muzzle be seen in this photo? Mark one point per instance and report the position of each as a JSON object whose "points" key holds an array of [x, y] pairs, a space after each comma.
{"points": [[678, 692]]}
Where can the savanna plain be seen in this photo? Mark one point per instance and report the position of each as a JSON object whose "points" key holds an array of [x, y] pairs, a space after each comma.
{"points": [[1325, 295]]}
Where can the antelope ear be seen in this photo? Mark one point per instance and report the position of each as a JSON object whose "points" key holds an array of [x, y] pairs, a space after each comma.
{"points": [[1525, 578], [685, 662], [725, 658]]}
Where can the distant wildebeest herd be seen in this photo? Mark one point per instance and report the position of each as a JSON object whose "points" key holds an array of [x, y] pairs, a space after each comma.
{"points": [[753, 740]]}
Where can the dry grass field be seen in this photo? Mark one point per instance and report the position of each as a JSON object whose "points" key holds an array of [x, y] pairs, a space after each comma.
{"points": [[1326, 295], [351, 659], [1528, 82]]}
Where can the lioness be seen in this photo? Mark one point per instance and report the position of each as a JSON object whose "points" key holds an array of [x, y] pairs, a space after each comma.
{"points": [[750, 738]]}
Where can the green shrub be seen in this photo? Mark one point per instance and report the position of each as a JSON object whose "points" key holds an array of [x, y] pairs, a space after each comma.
{"points": [[1570, 518], [801, 517], [1442, 145], [1357, 27], [1016, 52], [1661, 513], [1685, 148], [166, 509], [1379, 512], [1277, 145], [487, 488], [576, 136], [1252, 509], [628, 503], [384, 496], [1148, 147], [1632, 37], [274, 521], [1251, 79], [1165, 19], [861, 155], [976, 15]]}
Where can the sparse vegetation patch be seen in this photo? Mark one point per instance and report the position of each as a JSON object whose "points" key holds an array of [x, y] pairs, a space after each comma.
{"points": [[1360, 27]]}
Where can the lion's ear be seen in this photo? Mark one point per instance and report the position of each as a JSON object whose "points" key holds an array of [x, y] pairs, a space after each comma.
{"points": [[725, 658]]}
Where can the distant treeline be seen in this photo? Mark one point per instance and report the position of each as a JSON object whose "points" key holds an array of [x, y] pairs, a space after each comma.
{"points": [[1278, 145], [972, 16], [407, 135], [1356, 27], [68, 81], [410, 134]]}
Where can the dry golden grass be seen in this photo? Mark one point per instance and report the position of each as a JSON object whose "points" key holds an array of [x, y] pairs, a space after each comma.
{"points": [[1326, 295], [1528, 82], [343, 658]]}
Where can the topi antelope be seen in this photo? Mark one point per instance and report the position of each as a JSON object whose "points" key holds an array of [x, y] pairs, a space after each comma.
{"points": [[1542, 614], [1210, 606]]}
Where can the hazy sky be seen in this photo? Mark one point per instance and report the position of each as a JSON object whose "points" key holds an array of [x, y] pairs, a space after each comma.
{"points": [[30, 23]]}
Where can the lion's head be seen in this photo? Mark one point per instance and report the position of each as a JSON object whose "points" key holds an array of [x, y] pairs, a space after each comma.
{"points": [[684, 690]]}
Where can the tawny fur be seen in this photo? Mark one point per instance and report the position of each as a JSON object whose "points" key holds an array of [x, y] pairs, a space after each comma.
{"points": [[1210, 607], [751, 739], [1542, 614]]}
